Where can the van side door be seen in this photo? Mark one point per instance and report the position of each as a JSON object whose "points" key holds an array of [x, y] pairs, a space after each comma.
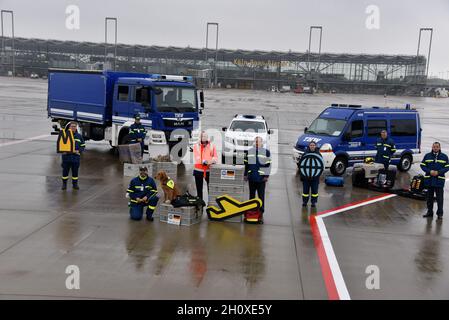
{"points": [[353, 141], [374, 124], [404, 132]]}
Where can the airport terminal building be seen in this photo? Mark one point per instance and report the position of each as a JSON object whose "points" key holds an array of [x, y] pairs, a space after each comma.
{"points": [[242, 69]]}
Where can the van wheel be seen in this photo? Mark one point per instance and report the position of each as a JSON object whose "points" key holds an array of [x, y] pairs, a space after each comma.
{"points": [[339, 166], [405, 163]]}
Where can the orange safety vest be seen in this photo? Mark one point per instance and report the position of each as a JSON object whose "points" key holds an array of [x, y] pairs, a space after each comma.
{"points": [[202, 153]]}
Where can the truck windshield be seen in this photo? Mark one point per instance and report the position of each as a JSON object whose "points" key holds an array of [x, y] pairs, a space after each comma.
{"points": [[327, 127], [176, 99]]}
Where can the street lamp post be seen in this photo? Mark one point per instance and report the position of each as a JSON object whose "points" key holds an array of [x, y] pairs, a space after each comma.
{"points": [[428, 55], [12, 37], [319, 50], [216, 49], [106, 39]]}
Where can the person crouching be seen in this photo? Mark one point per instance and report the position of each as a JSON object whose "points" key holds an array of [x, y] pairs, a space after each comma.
{"points": [[142, 193]]}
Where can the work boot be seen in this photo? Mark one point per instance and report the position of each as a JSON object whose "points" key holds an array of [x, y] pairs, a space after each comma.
{"points": [[75, 186], [313, 205], [440, 217], [150, 218], [428, 215], [64, 185], [304, 204]]}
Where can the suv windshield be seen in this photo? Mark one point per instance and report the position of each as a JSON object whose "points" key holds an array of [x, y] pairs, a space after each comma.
{"points": [[176, 99], [252, 126], [328, 127]]}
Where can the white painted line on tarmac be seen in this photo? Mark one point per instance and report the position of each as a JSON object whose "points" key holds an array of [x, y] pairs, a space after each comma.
{"points": [[361, 204], [5, 144]]}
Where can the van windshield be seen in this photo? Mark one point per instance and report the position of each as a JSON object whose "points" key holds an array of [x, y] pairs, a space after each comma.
{"points": [[327, 127]]}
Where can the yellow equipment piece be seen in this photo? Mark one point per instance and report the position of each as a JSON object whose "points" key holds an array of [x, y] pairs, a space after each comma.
{"points": [[369, 160], [66, 141], [230, 207], [170, 184]]}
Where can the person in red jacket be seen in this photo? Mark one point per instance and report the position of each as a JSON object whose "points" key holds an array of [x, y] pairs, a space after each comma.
{"points": [[205, 154]]}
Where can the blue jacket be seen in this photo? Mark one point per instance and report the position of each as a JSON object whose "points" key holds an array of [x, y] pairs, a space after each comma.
{"points": [[80, 145], [257, 164], [139, 188], [137, 131], [437, 162], [385, 150]]}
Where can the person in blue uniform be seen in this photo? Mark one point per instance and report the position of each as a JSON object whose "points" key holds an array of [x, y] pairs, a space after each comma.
{"points": [[435, 164], [142, 193], [137, 132], [257, 170], [385, 149], [310, 185], [71, 161]]}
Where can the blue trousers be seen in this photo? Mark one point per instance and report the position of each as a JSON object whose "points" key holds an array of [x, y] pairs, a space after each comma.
{"points": [[310, 188], [68, 166], [258, 187], [136, 209]]}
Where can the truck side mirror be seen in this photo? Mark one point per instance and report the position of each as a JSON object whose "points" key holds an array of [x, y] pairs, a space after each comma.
{"points": [[224, 128], [347, 136], [201, 99], [305, 129], [270, 131]]}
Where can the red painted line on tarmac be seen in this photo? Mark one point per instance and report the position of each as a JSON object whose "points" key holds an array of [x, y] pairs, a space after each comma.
{"points": [[324, 262]]}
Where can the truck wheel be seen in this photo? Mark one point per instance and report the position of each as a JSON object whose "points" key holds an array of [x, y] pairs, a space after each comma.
{"points": [[339, 166], [405, 163]]}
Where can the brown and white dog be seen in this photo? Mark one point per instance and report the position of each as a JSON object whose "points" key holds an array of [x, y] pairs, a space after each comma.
{"points": [[168, 185]]}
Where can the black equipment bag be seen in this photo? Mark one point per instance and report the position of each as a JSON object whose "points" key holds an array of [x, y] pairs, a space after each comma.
{"points": [[187, 200]]}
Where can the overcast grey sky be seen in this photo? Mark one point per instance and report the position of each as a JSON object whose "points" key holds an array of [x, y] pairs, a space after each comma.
{"points": [[244, 24]]}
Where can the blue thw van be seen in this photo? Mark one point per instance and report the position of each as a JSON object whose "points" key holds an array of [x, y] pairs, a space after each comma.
{"points": [[346, 134]]}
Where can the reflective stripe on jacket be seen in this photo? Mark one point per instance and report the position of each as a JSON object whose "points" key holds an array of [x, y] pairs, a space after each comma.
{"points": [[385, 150], [137, 131], [436, 162], [257, 164], [80, 145], [141, 187], [204, 152]]}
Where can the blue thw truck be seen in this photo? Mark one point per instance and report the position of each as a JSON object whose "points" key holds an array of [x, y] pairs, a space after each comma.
{"points": [[104, 104]]}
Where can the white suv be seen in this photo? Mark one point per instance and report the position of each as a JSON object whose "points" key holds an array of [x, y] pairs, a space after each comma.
{"points": [[240, 135]]}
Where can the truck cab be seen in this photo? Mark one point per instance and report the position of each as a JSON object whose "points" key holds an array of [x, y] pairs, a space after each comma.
{"points": [[168, 107], [346, 134], [104, 104]]}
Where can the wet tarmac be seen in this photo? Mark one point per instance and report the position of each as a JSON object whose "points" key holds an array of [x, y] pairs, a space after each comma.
{"points": [[43, 230]]}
